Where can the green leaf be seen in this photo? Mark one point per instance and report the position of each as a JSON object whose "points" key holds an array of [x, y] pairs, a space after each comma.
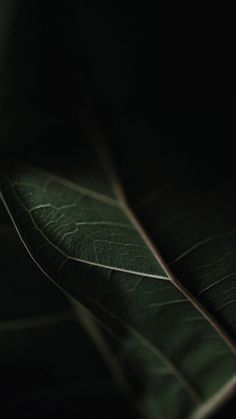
{"points": [[40, 340], [177, 353], [190, 212]]}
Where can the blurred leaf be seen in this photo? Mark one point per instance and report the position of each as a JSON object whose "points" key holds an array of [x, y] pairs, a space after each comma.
{"points": [[177, 353], [48, 365]]}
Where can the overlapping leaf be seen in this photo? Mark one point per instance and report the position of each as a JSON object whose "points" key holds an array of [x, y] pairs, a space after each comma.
{"points": [[41, 374], [177, 350]]}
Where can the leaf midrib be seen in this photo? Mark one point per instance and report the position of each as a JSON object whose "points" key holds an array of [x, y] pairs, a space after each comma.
{"points": [[177, 283], [122, 202], [191, 391], [110, 169]]}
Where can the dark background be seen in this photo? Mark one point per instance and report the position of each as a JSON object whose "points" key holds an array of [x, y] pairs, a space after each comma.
{"points": [[163, 71], [149, 74]]}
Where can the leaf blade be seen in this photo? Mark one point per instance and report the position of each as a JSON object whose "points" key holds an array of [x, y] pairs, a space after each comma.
{"points": [[86, 282]]}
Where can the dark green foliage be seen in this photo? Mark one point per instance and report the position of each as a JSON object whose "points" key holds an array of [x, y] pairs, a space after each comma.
{"points": [[139, 235]]}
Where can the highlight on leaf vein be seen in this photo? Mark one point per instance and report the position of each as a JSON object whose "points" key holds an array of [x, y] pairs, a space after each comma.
{"points": [[117, 212]]}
